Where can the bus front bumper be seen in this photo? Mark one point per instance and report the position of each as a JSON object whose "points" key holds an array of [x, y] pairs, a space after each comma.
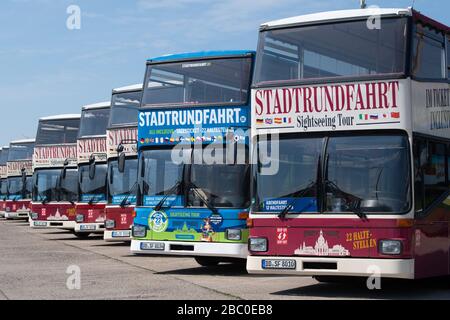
{"points": [[207, 249], [90, 227], [2, 214], [117, 235], [39, 224], [19, 214], [310, 266]]}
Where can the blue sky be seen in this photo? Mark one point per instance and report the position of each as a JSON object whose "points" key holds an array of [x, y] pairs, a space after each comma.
{"points": [[46, 69]]}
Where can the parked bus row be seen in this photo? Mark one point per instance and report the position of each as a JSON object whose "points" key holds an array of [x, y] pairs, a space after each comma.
{"points": [[324, 153]]}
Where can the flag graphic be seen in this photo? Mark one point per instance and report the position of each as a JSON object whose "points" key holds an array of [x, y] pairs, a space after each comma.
{"points": [[278, 121], [373, 117], [268, 121], [395, 115], [259, 121]]}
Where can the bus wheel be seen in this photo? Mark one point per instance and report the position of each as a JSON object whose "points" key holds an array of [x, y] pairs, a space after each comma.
{"points": [[81, 235], [207, 261]]}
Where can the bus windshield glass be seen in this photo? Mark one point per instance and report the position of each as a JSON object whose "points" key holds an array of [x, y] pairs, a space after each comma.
{"points": [[125, 108], [122, 184], [57, 131], [68, 186], [3, 188], [214, 81], [367, 172], [94, 122], [17, 190], [93, 190], [21, 151], [340, 49], [45, 185]]}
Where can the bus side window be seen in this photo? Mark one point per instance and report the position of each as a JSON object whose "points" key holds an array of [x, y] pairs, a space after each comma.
{"points": [[428, 53], [419, 150], [448, 57]]}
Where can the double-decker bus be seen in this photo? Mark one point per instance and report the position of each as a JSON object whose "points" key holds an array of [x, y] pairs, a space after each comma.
{"points": [[121, 139], [193, 176], [19, 176], [351, 140], [55, 177], [92, 169], [3, 180]]}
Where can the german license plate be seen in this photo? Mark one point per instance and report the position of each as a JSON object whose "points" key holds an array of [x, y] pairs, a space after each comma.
{"points": [[120, 234], [40, 223], [279, 264], [153, 246], [87, 227]]}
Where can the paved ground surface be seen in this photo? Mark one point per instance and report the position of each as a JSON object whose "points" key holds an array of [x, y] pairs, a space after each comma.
{"points": [[33, 265]]}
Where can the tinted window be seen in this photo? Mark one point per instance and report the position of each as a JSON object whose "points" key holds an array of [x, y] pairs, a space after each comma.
{"points": [[93, 189], [428, 54], [94, 122], [125, 108], [45, 185], [69, 186], [121, 184], [21, 151], [4, 156], [222, 81], [57, 131], [331, 50]]}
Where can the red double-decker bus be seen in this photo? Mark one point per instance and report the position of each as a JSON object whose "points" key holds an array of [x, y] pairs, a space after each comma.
{"points": [[3, 180], [351, 136], [55, 177], [92, 169], [121, 139], [19, 173]]}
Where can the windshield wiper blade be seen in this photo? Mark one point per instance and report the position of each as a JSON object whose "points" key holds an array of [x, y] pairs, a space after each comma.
{"points": [[352, 202], [205, 200], [169, 192], [297, 195], [128, 194]]}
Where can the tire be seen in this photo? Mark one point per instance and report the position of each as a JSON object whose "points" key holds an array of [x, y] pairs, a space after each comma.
{"points": [[207, 261], [82, 235]]}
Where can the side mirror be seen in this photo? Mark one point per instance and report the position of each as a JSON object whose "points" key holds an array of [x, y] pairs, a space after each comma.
{"points": [[142, 163], [121, 162], [111, 175], [24, 175], [92, 167]]}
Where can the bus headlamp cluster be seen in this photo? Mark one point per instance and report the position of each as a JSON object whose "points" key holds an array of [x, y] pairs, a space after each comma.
{"points": [[109, 224], [257, 244], [139, 231], [79, 218], [34, 216], [234, 234], [390, 247]]}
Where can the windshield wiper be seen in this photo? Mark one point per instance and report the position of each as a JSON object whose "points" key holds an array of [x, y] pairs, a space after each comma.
{"points": [[169, 192], [204, 199], [128, 194], [298, 194], [93, 200], [352, 202]]}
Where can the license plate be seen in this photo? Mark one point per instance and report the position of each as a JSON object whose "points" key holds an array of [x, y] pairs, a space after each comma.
{"points": [[40, 223], [152, 246], [118, 234], [87, 227], [279, 264]]}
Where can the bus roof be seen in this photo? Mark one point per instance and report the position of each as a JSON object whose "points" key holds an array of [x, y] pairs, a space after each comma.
{"points": [[200, 55], [61, 117], [339, 15], [98, 105], [22, 141], [133, 87]]}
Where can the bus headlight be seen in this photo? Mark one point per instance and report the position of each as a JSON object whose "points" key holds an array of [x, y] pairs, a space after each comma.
{"points": [[257, 244], [34, 216], [110, 224], [139, 231], [234, 234], [390, 247], [79, 218]]}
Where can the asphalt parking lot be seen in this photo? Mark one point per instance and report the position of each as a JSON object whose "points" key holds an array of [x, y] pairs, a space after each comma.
{"points": [[33, 265]]}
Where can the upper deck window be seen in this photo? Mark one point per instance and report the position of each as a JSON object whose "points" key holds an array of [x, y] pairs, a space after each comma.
{"points": [[4, 156], [57, 131], [21, 151], [428, 60], [448, 57], [125, 108], [212, 81], [342, 49], [94, 122]]}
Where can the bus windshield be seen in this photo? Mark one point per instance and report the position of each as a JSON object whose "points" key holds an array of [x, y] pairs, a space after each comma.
{"points": [[373, 170], [21, 151], [3, 189], [122, 184], [16, 188], [45, 185], [93, 190], [221, 185], [68, 186], [213, 81], [341, 49], [94, 122], [57, 131], [125, 108]]}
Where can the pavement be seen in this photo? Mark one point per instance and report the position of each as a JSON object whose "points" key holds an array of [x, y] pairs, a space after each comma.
{"points": [[37, 264]]}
